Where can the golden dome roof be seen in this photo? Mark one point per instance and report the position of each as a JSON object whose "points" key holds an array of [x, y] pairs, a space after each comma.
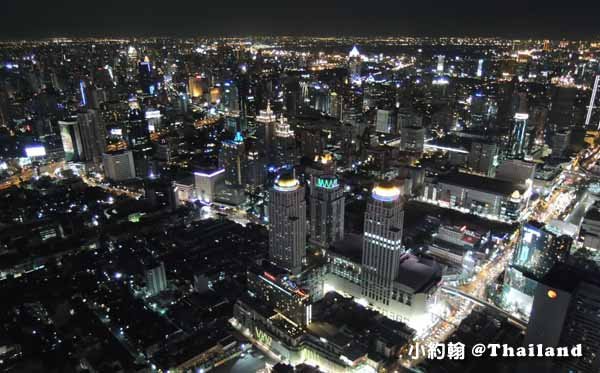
{"points": [[287, 182]]}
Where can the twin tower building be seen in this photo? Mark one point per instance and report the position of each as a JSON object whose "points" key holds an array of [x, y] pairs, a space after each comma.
{"points": [[287, 217]]}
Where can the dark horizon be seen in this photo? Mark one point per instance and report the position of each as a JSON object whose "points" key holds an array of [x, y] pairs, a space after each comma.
{"points": [[511, 19]]}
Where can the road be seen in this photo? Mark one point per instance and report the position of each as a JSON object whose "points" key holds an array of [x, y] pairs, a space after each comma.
{"points": [[555, 205]]}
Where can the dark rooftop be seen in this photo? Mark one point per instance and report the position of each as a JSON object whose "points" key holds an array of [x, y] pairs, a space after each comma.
{"points": [[486, 184], [350, 247], [418, 274]]}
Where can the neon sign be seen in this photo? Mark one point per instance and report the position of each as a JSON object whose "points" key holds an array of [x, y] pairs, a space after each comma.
{"points": [[329, 183]]}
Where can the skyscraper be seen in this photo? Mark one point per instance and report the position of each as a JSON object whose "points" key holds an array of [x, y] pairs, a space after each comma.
{"points": [[386, 121], [440, 63], [119, 166], [156, 278], [382, 245], [231, 159], [517, 136], [538, 250], [266, 120], [326, 211], [207, 183], [483, 157], [145, 75], [354, 66], [594, 104], [93, 136], [287, 223], [517, 144], [195, 86], [255, 174], [479, 68], [285, 143]]}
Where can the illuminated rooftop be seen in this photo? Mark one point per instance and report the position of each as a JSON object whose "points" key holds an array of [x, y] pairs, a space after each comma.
{"points": [[386, 192], [287, 183]]}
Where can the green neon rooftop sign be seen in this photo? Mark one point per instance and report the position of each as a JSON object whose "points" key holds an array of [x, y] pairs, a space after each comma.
{"points": [[327, 183]]}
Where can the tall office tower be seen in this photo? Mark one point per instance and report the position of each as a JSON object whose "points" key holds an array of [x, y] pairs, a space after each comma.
{"points": [[354, 66], [156, 278], [337, 104], [83, 94], [284, 152], [386, 121], [480, 68], [154, 119], [518, 134], [405, 118], [382, 245], [266, 121], [287, 223], [322, 100], [119, 166], [255, 175], [326, 211], [292, 100], [478, 109], [321, 165], [560, 143], [440, 63], [195, 86], [483, 157], [145, 76], [537, 123], [231, 159], [207, 184], [138, 138], [565, 314], [231, 100], [594, 105], [538, 250], [93, 136]]}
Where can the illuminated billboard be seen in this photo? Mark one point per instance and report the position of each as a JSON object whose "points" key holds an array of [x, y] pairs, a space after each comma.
{"points": [[35, 151], [116, 131], [67, 142], [152, 114]]}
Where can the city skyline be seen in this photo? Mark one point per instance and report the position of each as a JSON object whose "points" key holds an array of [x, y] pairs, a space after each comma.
{"points": [[299, 204]]}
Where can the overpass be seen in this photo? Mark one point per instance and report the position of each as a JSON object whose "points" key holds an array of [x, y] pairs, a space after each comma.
{"points": [[515, 320]]}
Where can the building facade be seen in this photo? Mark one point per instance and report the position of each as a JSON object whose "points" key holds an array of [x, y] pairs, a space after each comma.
{"points": [[119, 166], [287, 223], [327, 205]]}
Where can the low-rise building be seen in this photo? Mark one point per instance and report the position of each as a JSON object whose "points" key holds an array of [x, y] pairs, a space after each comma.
{"points": [[484, 196]]}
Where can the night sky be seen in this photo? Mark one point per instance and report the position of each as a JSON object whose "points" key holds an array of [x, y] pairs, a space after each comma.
{"points": [[511, 18]]}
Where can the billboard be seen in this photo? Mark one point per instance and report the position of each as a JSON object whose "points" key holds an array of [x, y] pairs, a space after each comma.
{"points": [[35, 151], [67, 140]]}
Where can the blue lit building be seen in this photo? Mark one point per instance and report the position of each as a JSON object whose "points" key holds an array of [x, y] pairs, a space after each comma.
{"points": [[537, 252]]}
